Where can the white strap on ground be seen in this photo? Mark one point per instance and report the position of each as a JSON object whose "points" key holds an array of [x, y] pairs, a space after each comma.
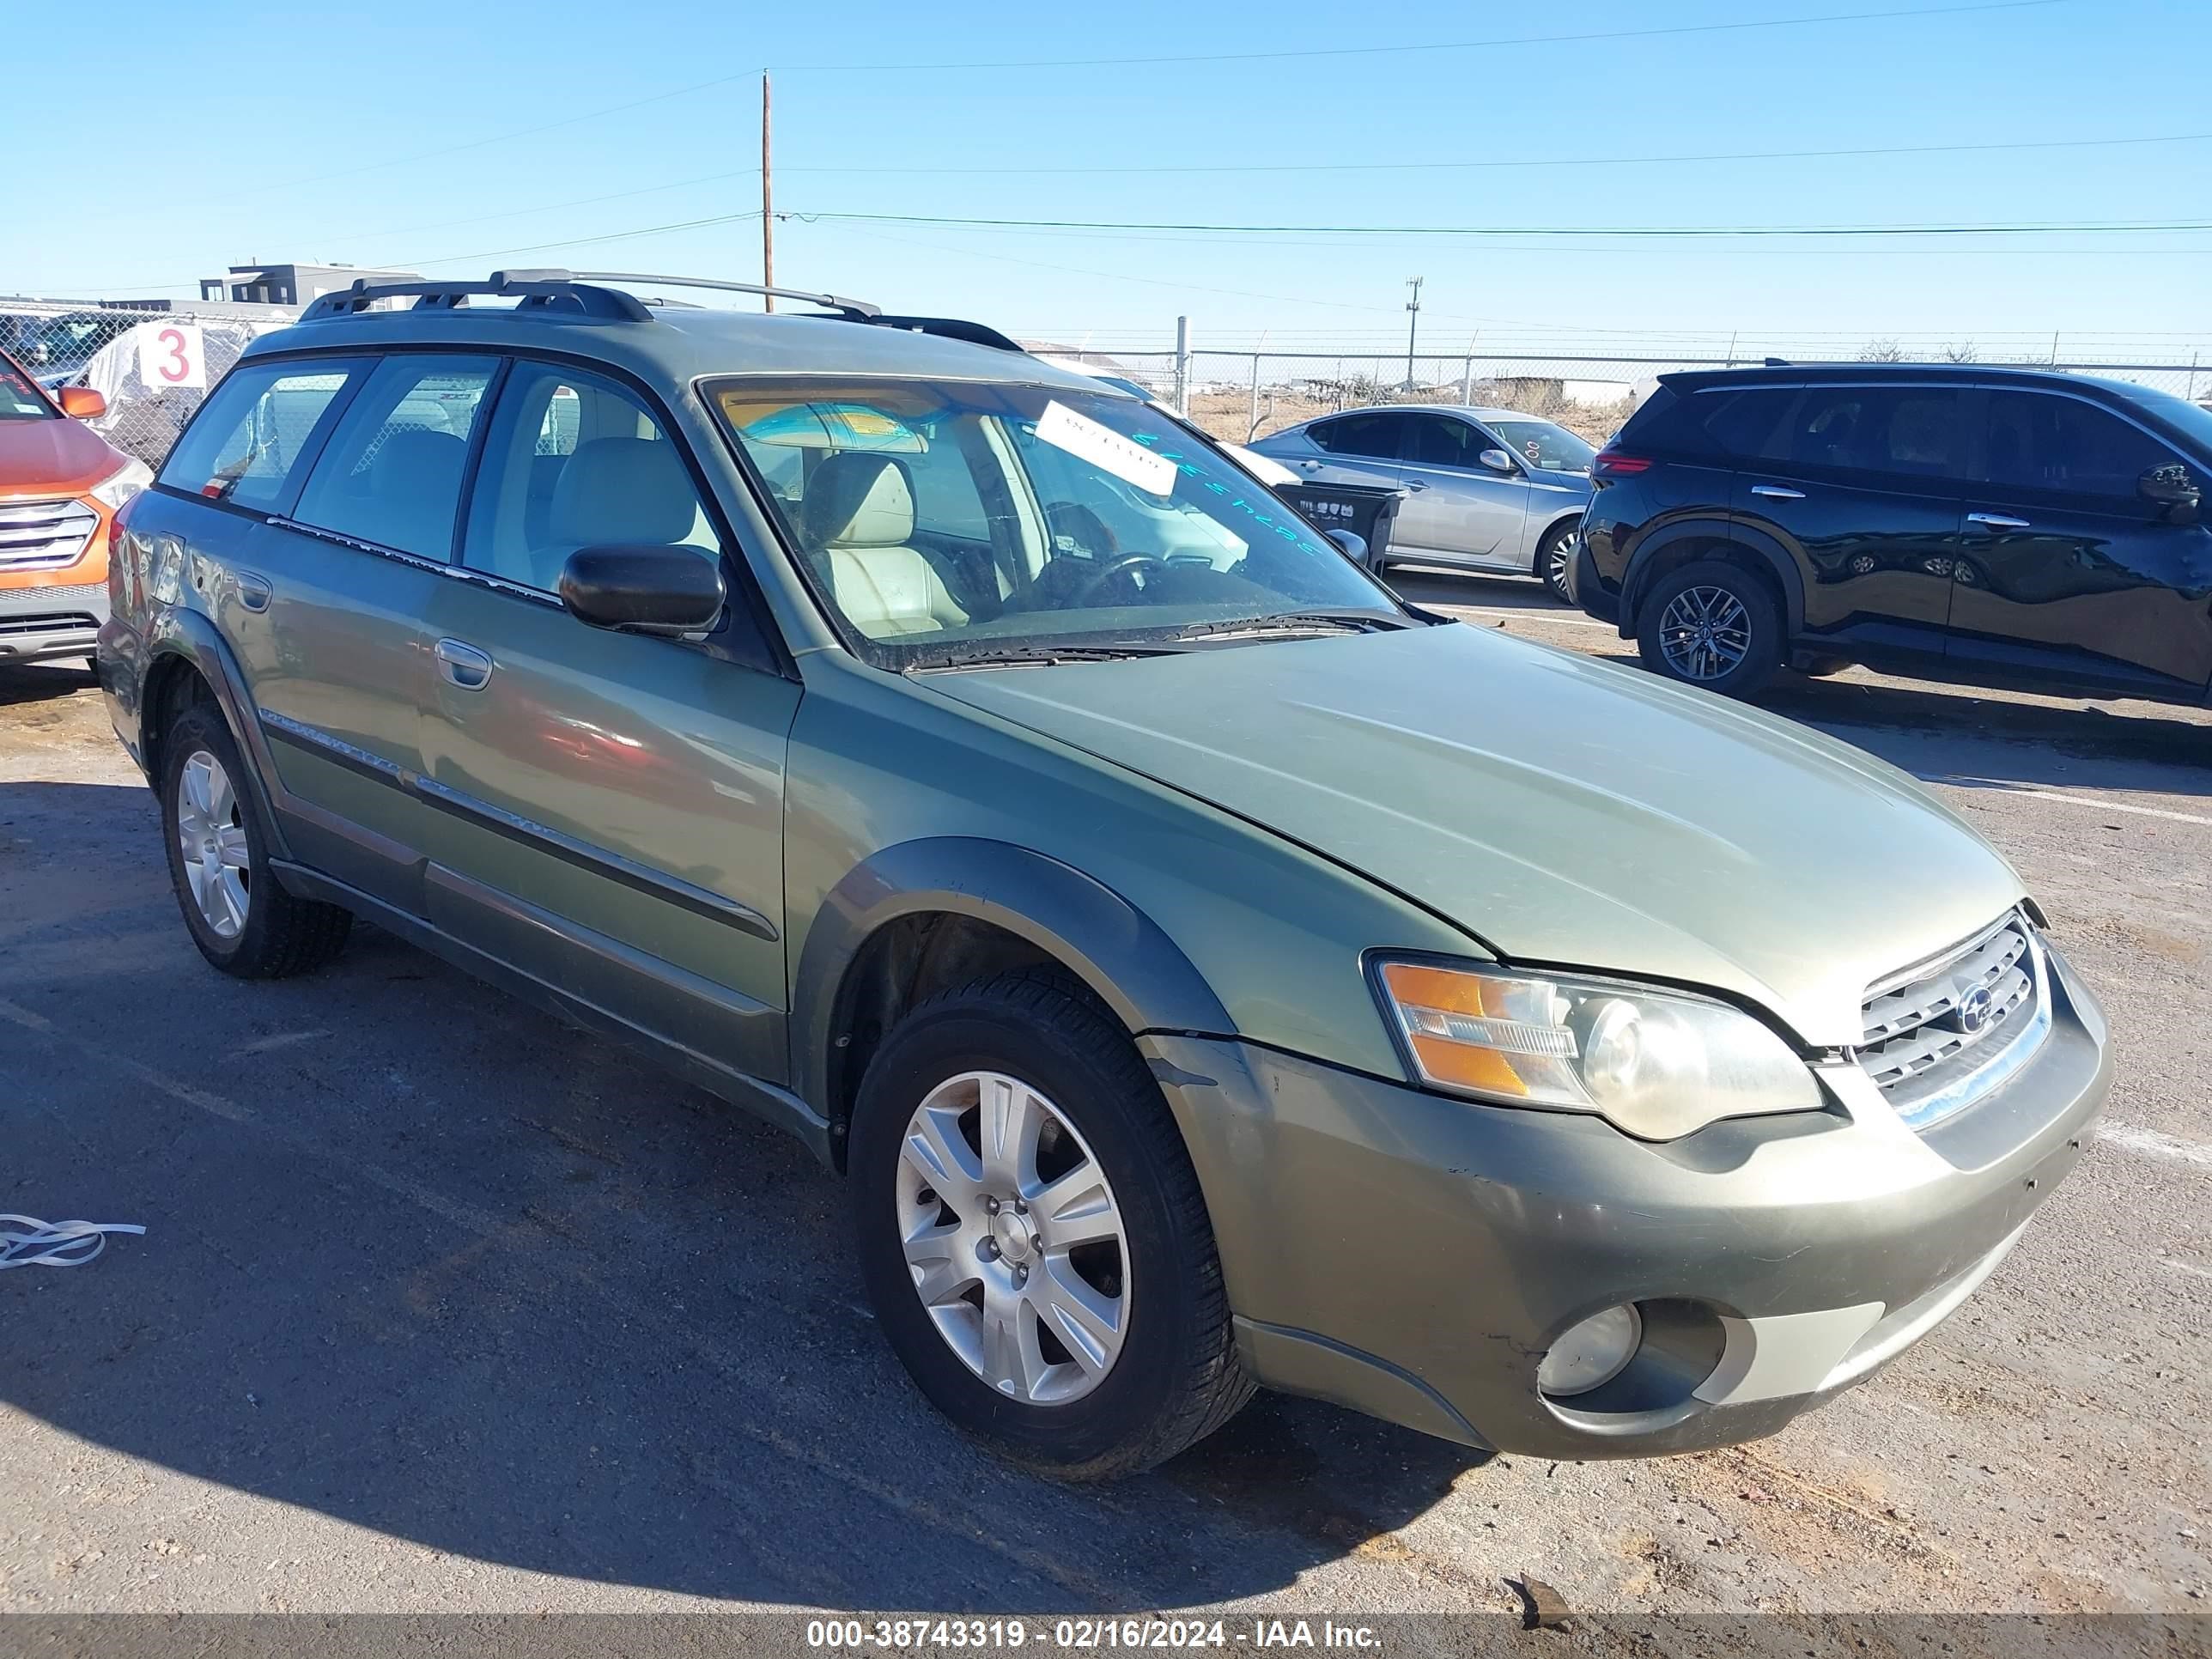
{"points": [[27, 1242]]}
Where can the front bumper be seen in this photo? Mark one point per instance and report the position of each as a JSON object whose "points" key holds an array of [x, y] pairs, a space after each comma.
{"points": [[55, 621], [1415, 1257]]}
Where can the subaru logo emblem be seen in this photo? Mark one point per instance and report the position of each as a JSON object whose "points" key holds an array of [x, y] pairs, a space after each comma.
{"points": [[1974, 1010]]}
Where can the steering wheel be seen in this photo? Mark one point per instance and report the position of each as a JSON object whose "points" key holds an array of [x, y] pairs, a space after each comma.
{"points": [[1121, 566]]}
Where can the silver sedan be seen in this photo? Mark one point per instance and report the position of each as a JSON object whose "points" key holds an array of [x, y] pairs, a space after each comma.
{"points": [[1487, 489]]}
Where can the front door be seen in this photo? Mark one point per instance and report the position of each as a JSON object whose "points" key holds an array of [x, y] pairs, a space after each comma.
{"points": [[1455, 507], [1862, 486], [2067, 570], [606, 809]]}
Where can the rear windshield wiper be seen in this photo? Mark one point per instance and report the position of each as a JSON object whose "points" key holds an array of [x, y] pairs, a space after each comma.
{"points": [[1031, 656], [1297, 621]]}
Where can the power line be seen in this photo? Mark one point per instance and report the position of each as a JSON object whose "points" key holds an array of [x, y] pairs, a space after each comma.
{"points": [[1533, 161], [1579, 39], [2087, 227], [444, 150]]}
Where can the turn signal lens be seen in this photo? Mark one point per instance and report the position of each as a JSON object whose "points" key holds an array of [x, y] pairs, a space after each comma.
{"points": [[1657, 1064]]}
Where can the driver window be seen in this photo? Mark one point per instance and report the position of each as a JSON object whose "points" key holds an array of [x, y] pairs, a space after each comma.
{"points": [[1440, 440]]}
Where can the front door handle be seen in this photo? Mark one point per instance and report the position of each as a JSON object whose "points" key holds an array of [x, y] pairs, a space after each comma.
{"points": [[1414, 483], [462, 664], [1778, 492], [1996, 520]]}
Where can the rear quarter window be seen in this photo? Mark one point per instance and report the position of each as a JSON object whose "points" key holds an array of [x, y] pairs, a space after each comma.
{"points": [[1719, 426], [246, 446]]}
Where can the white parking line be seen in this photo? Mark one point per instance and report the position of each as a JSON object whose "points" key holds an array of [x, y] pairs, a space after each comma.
{"points": [[2095, 803], [2149, 1143]]}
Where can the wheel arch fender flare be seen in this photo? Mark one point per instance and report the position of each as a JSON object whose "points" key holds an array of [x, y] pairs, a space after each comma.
{"points": [[1753, 543], [179, 633], [1122, 954]]}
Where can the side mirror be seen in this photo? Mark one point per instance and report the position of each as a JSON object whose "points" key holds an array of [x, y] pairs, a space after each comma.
{"points": [[81, 402], [1497, 460], [2171, 488], [1352, 545], [651, 590]]}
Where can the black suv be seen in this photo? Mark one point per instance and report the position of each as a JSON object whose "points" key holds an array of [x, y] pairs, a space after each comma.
{"points": [[1952, 521]]}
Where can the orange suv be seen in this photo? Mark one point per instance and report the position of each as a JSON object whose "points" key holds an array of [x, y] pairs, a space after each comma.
{"points": [[60, 485]]}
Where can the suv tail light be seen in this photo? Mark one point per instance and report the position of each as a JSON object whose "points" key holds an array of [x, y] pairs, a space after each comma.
{"points": [[1612, 463]]}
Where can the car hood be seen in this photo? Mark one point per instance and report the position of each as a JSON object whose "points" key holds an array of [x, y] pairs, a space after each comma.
{"points": [[53, 457], [1560, 811]]}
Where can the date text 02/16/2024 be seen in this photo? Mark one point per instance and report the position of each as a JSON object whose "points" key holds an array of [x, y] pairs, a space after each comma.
{"points": [[1083, 1635]]}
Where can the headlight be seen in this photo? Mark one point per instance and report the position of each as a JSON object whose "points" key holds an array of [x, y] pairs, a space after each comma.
{"points": [[1657, 1064], [122, 484]]}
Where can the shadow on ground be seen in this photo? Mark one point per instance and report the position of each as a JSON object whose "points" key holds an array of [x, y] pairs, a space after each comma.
{"points": [[425, 1262], [32, 682]]}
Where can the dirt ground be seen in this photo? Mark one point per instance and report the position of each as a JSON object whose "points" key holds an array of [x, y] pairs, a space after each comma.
{"points": [[443, 1306]]}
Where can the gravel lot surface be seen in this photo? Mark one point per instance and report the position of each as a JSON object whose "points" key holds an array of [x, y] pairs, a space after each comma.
{"points": [[443, 1307]]}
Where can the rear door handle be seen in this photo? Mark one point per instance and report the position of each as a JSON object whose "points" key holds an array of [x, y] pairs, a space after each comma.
{"points": [[1996, 520], [253, 591], [1778, 492], [462, 664], [1414, 483]]}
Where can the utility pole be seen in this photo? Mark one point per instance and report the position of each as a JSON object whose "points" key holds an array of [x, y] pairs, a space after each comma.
{"points": [[1412, 323], [1182, 367], [767, 207]]}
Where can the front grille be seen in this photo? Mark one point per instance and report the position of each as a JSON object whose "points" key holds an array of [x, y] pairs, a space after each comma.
{"points": [[1938, 1036], [43, 535]]}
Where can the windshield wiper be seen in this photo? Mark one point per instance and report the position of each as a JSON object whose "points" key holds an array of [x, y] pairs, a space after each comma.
{"points": [[1031, 656], [1295, 621]]}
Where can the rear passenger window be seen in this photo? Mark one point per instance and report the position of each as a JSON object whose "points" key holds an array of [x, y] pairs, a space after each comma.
{"points": [[1372, 436], [392, 471], [2041, 440], [572, 460], [247, 443], [1904, 432]]}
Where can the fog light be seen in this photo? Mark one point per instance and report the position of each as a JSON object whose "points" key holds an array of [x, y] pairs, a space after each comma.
{"points": [[1591, 1354]]}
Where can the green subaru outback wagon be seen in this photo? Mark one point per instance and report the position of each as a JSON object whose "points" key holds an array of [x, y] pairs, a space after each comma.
{"points": [[1203, 971]]}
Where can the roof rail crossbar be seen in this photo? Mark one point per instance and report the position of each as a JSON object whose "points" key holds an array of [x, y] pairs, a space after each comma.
{"points": [[951, 328], [535, 290], [857, 310]]}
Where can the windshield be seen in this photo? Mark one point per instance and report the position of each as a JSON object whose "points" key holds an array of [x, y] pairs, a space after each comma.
{"points": [[19, 398], [953, 519], [1540, 443]]}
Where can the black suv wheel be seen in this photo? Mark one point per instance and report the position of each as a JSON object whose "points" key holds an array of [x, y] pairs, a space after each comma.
{"points": [[1713, 624]]}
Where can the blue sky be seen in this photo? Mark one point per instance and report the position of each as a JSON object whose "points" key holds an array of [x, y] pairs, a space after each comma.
{"points": [[357, 135]]}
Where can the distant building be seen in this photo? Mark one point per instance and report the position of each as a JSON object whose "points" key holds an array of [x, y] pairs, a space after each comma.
{"points": [[292, 284]]}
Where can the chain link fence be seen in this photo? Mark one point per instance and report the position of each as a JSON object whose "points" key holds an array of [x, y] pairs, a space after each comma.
{"points": [[1242, 395], [154, 365]]}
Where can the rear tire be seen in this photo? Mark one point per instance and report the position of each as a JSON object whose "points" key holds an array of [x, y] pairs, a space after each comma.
{"points": [[1712, 624], [240, 919], [1169, 1373]]}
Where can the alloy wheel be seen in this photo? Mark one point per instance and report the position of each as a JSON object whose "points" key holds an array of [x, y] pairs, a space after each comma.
{"points": [[1555, 567], [211, 836], [1013, 1238], [1705, 633]]}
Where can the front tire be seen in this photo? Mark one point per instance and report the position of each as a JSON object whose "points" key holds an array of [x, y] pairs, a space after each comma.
{"points": [[1712, 624], [1555, 556], [240, 919], [1032, 1236]]}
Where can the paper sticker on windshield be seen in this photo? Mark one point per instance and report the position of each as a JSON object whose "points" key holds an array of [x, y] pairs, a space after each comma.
{"points": [[1106, 449]]}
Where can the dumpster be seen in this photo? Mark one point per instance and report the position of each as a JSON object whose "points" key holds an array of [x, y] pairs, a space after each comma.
{"points": [[1366, 510]]}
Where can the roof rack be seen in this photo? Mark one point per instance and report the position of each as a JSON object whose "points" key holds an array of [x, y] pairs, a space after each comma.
{"points": [[577, 293]]}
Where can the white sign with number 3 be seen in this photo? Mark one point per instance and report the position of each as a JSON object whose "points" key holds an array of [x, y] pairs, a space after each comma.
{"points": [[171, 355]]}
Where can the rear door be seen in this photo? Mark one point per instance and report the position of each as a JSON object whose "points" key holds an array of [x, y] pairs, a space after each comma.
{"points": [[606, 808], [1863, 486], [1359, 448], [2067, 570], [1456, 508]]}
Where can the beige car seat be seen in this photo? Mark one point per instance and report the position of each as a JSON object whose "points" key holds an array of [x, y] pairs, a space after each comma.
{"points": [[856, 522]]}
